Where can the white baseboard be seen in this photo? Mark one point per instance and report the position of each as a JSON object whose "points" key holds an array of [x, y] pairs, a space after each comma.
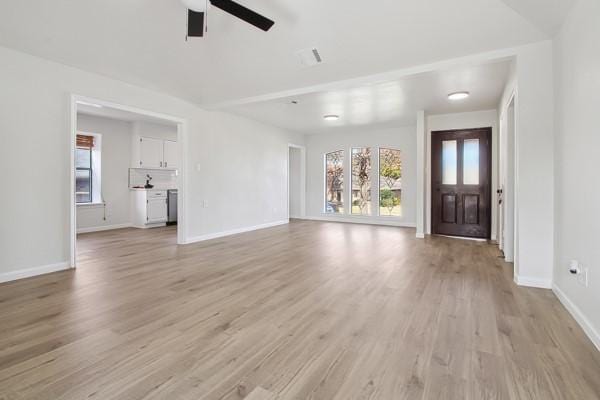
{"points": [[362, 220], [103, 228], [533, 282], [35, 271], [217, 235], [420, 235], [581, 319]]}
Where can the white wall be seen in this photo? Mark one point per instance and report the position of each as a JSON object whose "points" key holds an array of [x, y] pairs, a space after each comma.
{"points": [[469, 120], [238, 166], [115, 156], [403, 138], [532, 79], [157, 131], [577, 150], [295, 188]]}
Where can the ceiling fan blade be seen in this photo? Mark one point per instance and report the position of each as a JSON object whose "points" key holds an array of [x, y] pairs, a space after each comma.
{"points": [[195, 24], [243, 13]]}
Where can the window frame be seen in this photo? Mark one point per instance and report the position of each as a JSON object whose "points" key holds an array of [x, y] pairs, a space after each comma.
{"points": [[375, 179], [369, 213], [325, 185], [379, 150], [90, 170]]}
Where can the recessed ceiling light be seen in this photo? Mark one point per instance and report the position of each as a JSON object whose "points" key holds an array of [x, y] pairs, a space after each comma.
{"points": [[331, 117], [458, 95]]}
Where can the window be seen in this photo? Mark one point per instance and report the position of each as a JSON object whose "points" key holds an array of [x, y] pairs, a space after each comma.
{"points": [[361, 181], [334, 172], [87, 169], [83, 175], [471, 162], [449, 162], [390, 182]]}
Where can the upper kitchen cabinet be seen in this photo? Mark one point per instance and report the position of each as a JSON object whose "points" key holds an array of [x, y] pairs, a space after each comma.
{"points": [[170, 154], [154, 153], [151, 153]]}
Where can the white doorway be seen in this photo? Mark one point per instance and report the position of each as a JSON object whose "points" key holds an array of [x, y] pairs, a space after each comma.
{"points": [[296, 181], [174, 145]]}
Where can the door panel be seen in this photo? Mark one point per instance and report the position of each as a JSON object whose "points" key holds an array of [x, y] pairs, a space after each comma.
{"points": [[461, 182], [157, 210], [449, 208]]}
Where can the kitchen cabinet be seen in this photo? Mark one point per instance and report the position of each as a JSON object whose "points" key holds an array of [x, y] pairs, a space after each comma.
{"points": [[154, 153], [149, 208], [170, 154], [151, 153]]}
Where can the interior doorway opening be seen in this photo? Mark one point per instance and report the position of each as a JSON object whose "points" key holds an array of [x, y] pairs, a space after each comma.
{"points": [[127, 172]]}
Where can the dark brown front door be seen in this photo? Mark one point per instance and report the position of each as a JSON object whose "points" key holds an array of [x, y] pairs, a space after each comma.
{"points": [[461, 182]]}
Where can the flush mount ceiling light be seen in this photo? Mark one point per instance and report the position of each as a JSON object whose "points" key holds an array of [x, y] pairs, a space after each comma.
{"points": [[331, 117], [458, 95]]}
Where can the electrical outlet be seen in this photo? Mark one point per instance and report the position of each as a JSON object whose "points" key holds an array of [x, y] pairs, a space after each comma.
{"points": [[582, 277], [204, 203]]}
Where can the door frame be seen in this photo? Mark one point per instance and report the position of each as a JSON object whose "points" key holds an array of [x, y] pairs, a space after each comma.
{"points": [[182, 140], [506, 223], [490, 145], [302, 179]]}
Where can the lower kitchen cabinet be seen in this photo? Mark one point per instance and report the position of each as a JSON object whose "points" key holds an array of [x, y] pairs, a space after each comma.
{"points": [[149, 208]]}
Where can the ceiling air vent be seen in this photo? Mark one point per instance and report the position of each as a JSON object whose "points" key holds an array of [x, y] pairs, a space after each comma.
{"points": [[309, 57]]}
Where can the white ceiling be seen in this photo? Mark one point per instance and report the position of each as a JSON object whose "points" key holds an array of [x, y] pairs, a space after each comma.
{"points": [[142, 41], [385, 104], [548, 15]]}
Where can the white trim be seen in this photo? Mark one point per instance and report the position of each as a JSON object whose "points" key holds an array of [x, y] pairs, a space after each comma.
{"points": [[104, 228], [91, 205], [210, 236], [358, 219], [578, 315], [35, 271], [421, 174], [533, 282], [302, 179]]}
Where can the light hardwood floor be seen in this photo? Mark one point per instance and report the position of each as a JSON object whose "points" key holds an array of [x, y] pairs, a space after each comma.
{"points": [[308, 310]]}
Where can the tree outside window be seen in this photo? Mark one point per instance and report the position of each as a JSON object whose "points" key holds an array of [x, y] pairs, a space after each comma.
{"points": [[361, 181], [334, 171]]}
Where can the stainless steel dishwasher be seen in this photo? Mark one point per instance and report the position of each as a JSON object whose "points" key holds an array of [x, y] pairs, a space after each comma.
{"points": [[172, 209]]}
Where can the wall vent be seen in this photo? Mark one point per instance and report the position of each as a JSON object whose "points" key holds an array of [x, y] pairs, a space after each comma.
{"points": [[309, 57]]}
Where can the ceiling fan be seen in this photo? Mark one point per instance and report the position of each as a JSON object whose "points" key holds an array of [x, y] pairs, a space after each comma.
{"points": [[197, 10]]}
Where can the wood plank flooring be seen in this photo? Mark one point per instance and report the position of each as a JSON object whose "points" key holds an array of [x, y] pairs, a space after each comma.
{"points": [[308, 310]]}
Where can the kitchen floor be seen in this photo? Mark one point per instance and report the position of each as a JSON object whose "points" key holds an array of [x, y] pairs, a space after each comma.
{"points": [[309, 310]]}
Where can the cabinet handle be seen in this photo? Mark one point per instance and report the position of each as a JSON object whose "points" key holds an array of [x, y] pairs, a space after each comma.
{"points": [[165, 163], [161, 163]]}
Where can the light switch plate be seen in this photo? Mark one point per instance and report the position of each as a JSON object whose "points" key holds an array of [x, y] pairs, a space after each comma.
{"points": [[582, 277]]}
